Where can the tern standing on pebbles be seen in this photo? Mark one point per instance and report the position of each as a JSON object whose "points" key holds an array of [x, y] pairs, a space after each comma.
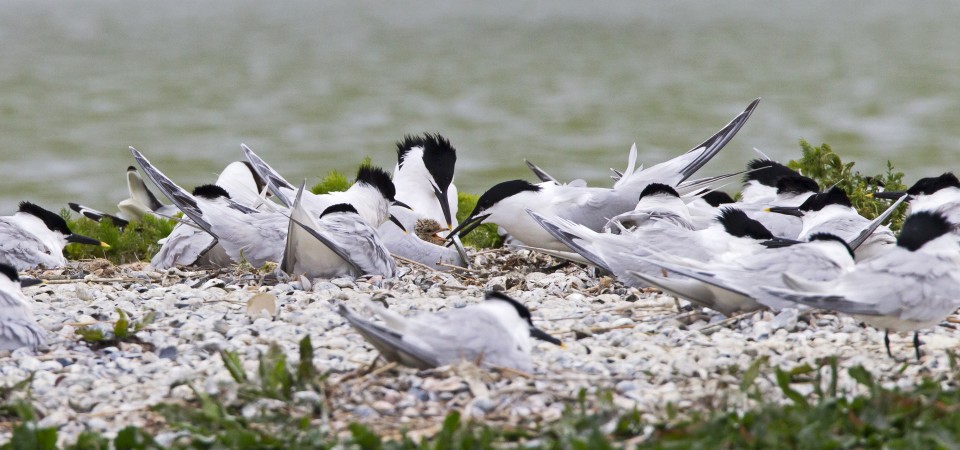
{"points": [[494, 333]]}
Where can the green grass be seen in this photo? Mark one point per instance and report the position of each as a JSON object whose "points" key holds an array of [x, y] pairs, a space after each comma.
{"points": [[926, 416], [484, 236], [827, 169], [137, 242]]}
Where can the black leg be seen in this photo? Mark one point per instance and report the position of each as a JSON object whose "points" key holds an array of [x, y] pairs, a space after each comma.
{"points": [[886, 341], [916, 343]]}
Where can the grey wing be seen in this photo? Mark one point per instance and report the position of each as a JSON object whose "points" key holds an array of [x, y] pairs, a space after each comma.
{"points": [[274, 181], [390, 344], [409, 246], [847, 228], [23, 250], [16, 333], [640, 219], [258, 239], [17, 326], [466, 334], [360, 243], [183, 246], [181, 198]]}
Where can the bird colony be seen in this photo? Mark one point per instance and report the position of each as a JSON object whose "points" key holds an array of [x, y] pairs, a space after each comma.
{"points": [[651, 286]]}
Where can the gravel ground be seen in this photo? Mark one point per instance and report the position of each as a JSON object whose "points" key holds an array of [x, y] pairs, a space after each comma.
{"points": [[635, 344]]}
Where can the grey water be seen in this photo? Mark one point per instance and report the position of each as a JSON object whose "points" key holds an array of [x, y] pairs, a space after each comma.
{"points": [[570, 85]]}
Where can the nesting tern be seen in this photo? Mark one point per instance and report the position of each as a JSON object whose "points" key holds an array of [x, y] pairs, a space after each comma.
{"points": [[189, 245], [34, 237], [494, 333], [832, 212], [338, 243], [592, 207], [18, 328], [731, 286], [732, 234], [914, 285], [760, 182], [424, 182], [940, 193]]}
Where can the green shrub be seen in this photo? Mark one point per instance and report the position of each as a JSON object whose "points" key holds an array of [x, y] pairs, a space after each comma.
{"points": [[826, 168], [137, 242]]}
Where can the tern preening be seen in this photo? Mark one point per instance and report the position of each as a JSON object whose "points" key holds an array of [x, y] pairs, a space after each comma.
{"points": [[495, 332]]}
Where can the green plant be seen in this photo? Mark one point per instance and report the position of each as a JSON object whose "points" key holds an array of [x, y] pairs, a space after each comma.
{"points": [[484, 236], [825, 167], [121, 330], [137, 242], [335, 181]]}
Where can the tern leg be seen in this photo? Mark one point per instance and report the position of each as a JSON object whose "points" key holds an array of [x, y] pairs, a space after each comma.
{"points": [[916, 343], [886, 342]]}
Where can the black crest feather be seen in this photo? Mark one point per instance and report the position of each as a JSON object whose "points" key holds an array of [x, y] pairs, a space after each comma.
{"points": [[796, 184], [658, 188], [769, 172], [738, 224], [210, 191], [835, 196], [339, 208], [503, 190], [717, 198], [522, 311], [922, 227], [929, 185], [831, 237], [378, 178], [52, 220], [10, 272], [439, 157]]}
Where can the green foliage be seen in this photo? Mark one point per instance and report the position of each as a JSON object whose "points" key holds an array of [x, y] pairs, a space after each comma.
{"points": [[137, 242], [827, 169], [484, 236], [96, 335], [335, 181]]}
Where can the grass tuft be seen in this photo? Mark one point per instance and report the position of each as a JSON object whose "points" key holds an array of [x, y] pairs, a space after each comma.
{"points": [[137, 242]]}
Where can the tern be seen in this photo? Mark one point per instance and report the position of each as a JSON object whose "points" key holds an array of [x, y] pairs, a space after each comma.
{"points": [[505, 203], [189, 245], [731, 286], [18, 328], [732, 234], [940, 193], [424, 182], [914, 285], [760, 182], [34, 237], [259, 237], [832, 212], [493, 333]]}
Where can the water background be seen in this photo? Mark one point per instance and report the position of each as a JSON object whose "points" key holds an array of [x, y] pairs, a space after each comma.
{"points": [[569, 84]]}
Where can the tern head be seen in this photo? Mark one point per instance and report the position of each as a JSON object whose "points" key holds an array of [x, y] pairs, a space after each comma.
{"points": [[717, 198], [816, 202], [9, 278], [655, 189], [827, 237], [793, 185], [425, 166], [516, 313], [923, 186], [376, 193], [498, 200], [922, 227], [56, 225], [737, 223], [378, 179], [766, 172], [210, 192]]}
